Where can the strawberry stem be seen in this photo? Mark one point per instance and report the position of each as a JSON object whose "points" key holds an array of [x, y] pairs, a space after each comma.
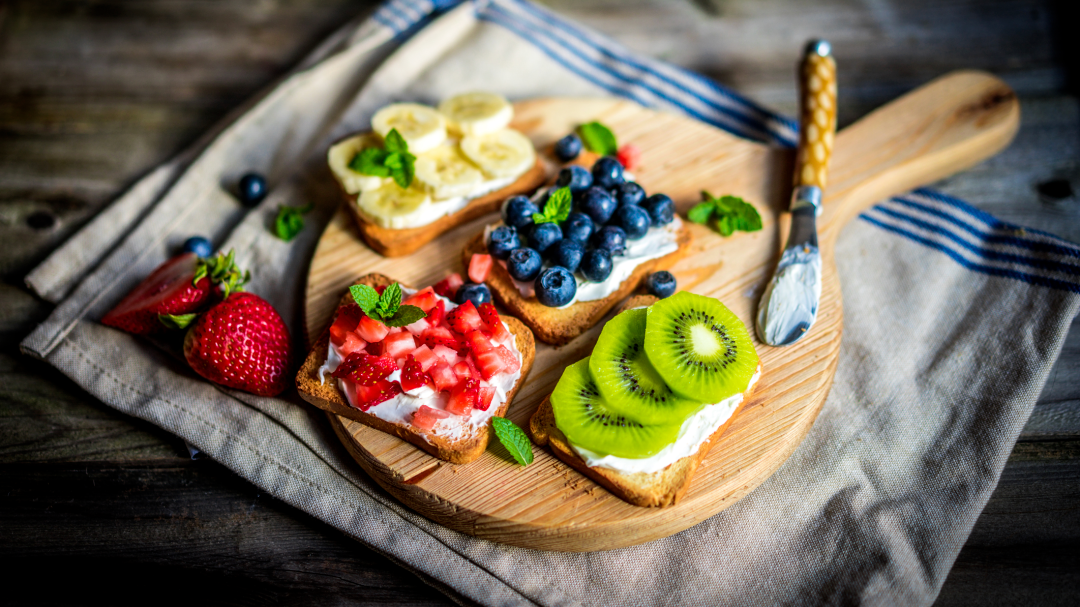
{"points": [[222, 271]]}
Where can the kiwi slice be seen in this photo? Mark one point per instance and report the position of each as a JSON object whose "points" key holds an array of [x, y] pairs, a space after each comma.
{"points": [[588, 422], [628, 381], [699, 347]]}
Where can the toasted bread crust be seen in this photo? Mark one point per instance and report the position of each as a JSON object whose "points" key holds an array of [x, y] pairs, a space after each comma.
{"points": [[662, 488], [329, 398], [396, 243], [557, 326]]}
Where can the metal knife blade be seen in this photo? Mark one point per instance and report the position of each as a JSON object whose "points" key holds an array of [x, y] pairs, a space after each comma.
{"points": [[789, 305]]}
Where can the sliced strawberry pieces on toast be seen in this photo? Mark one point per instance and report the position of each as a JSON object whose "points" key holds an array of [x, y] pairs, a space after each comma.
{"points": [[367, 396], [494, 325], [464, 318], [463, 397], [364, 369], [412, 375], [426, 417]]}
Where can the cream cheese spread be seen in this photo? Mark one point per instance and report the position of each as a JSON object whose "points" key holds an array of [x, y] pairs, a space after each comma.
{"points": [[793, 294], [400, 409], [695, 432]]}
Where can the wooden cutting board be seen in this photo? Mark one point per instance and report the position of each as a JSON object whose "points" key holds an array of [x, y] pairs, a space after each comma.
{"points": [[948, 125]]}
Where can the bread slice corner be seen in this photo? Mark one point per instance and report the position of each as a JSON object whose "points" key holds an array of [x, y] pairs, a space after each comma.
{"points": [[329, 398]]}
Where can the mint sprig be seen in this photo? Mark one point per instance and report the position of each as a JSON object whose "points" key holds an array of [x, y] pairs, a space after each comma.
{"points": [[729, 213], [557, 207], [514, 439], [598, 138], [392, 160], [386, 308], [290, 220]]}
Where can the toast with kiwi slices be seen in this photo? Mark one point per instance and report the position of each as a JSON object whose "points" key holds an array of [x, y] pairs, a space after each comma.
{"points": [[661, 386], [423, 170]]}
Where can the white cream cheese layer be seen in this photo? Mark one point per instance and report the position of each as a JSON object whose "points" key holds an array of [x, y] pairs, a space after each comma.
{"points": [[657, 242], [400, 409], [695, 432], [792, 295]]}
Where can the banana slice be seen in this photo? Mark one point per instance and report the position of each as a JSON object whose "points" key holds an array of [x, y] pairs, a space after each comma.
{"points": [[505, 153], [422, 127], [342, 153], [392, 207], [477, 113], [446, 173]]}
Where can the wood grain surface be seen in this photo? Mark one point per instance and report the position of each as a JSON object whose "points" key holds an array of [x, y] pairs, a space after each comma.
{"points": [[94, 93], [949, 124]]}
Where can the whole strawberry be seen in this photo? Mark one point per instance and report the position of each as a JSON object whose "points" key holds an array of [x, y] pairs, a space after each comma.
{"points": [[241, 343], [180, 286]]}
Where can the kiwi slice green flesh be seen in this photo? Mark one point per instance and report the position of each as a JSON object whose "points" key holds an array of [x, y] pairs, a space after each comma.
{"points": [[700, 347], [628, 381], [587, 421]]}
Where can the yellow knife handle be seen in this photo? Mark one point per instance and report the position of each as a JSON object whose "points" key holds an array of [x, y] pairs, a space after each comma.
{"points": [[817, 123]]}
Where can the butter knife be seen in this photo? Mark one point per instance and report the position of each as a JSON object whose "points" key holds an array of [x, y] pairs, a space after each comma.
{"points": [[789, 306]]}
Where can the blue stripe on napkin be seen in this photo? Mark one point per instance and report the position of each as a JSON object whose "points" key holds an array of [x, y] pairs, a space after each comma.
{"points": [[973, 238]]}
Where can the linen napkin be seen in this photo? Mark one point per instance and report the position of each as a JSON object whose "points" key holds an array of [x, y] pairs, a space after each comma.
{"points": [[952, 321]]}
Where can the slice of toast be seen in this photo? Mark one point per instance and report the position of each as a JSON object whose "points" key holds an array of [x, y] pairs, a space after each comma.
{"points": [[557, 326], [647, 489], [396, 243], [326, 396]]}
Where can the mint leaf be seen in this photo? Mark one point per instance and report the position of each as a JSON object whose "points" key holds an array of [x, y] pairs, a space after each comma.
{"points": [[390, 300], [725, 224], [370, 162], [701, 212], [176, 321], [514, 439], [405, 170], [394, 142], [290, 221], [598, 138], [365, 297], [557, 207], [746, 216], [405, 315]]}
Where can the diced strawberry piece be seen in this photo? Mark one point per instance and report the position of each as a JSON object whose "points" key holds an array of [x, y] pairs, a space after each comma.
{"points": [[424, 299], [441, 336], [448, 286], [487, 393], [365, 369], [425, 357], [443, 376], [437, 314], [380, 288], [448, 354], [510, 362], [629, 156], [351, 344], [478, 343], [371, 330], [464, 318], [380, 391], [425, 417], [490, 363], [479, 265], [463, 397], [397, 345], [348, 317], [412, 375], [492, 323], [418, 327], [464, 370]]}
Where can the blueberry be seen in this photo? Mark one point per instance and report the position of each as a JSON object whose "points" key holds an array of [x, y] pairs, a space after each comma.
{"points": [[199, 246], [543, 235], [596, 265], [476, 293], [252, 189], [517, 211], [503, 239], [598, 204], [568, 147], [610, 238], [661, 209], [575, 177], [628, 193], [523, 264], [660, 284], [578, 226], [555, 287], [607, 173], [633, 220], [567, 253]]}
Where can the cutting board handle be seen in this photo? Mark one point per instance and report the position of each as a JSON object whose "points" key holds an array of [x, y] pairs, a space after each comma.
{"points": [[943, 127]]}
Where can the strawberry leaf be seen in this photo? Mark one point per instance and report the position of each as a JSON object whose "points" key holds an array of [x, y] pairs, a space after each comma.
{"points": [[514, 439], [177, 321]]}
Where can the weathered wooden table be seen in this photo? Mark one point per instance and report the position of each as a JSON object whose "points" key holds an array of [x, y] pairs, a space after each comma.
{"points": [[95, 93]]}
